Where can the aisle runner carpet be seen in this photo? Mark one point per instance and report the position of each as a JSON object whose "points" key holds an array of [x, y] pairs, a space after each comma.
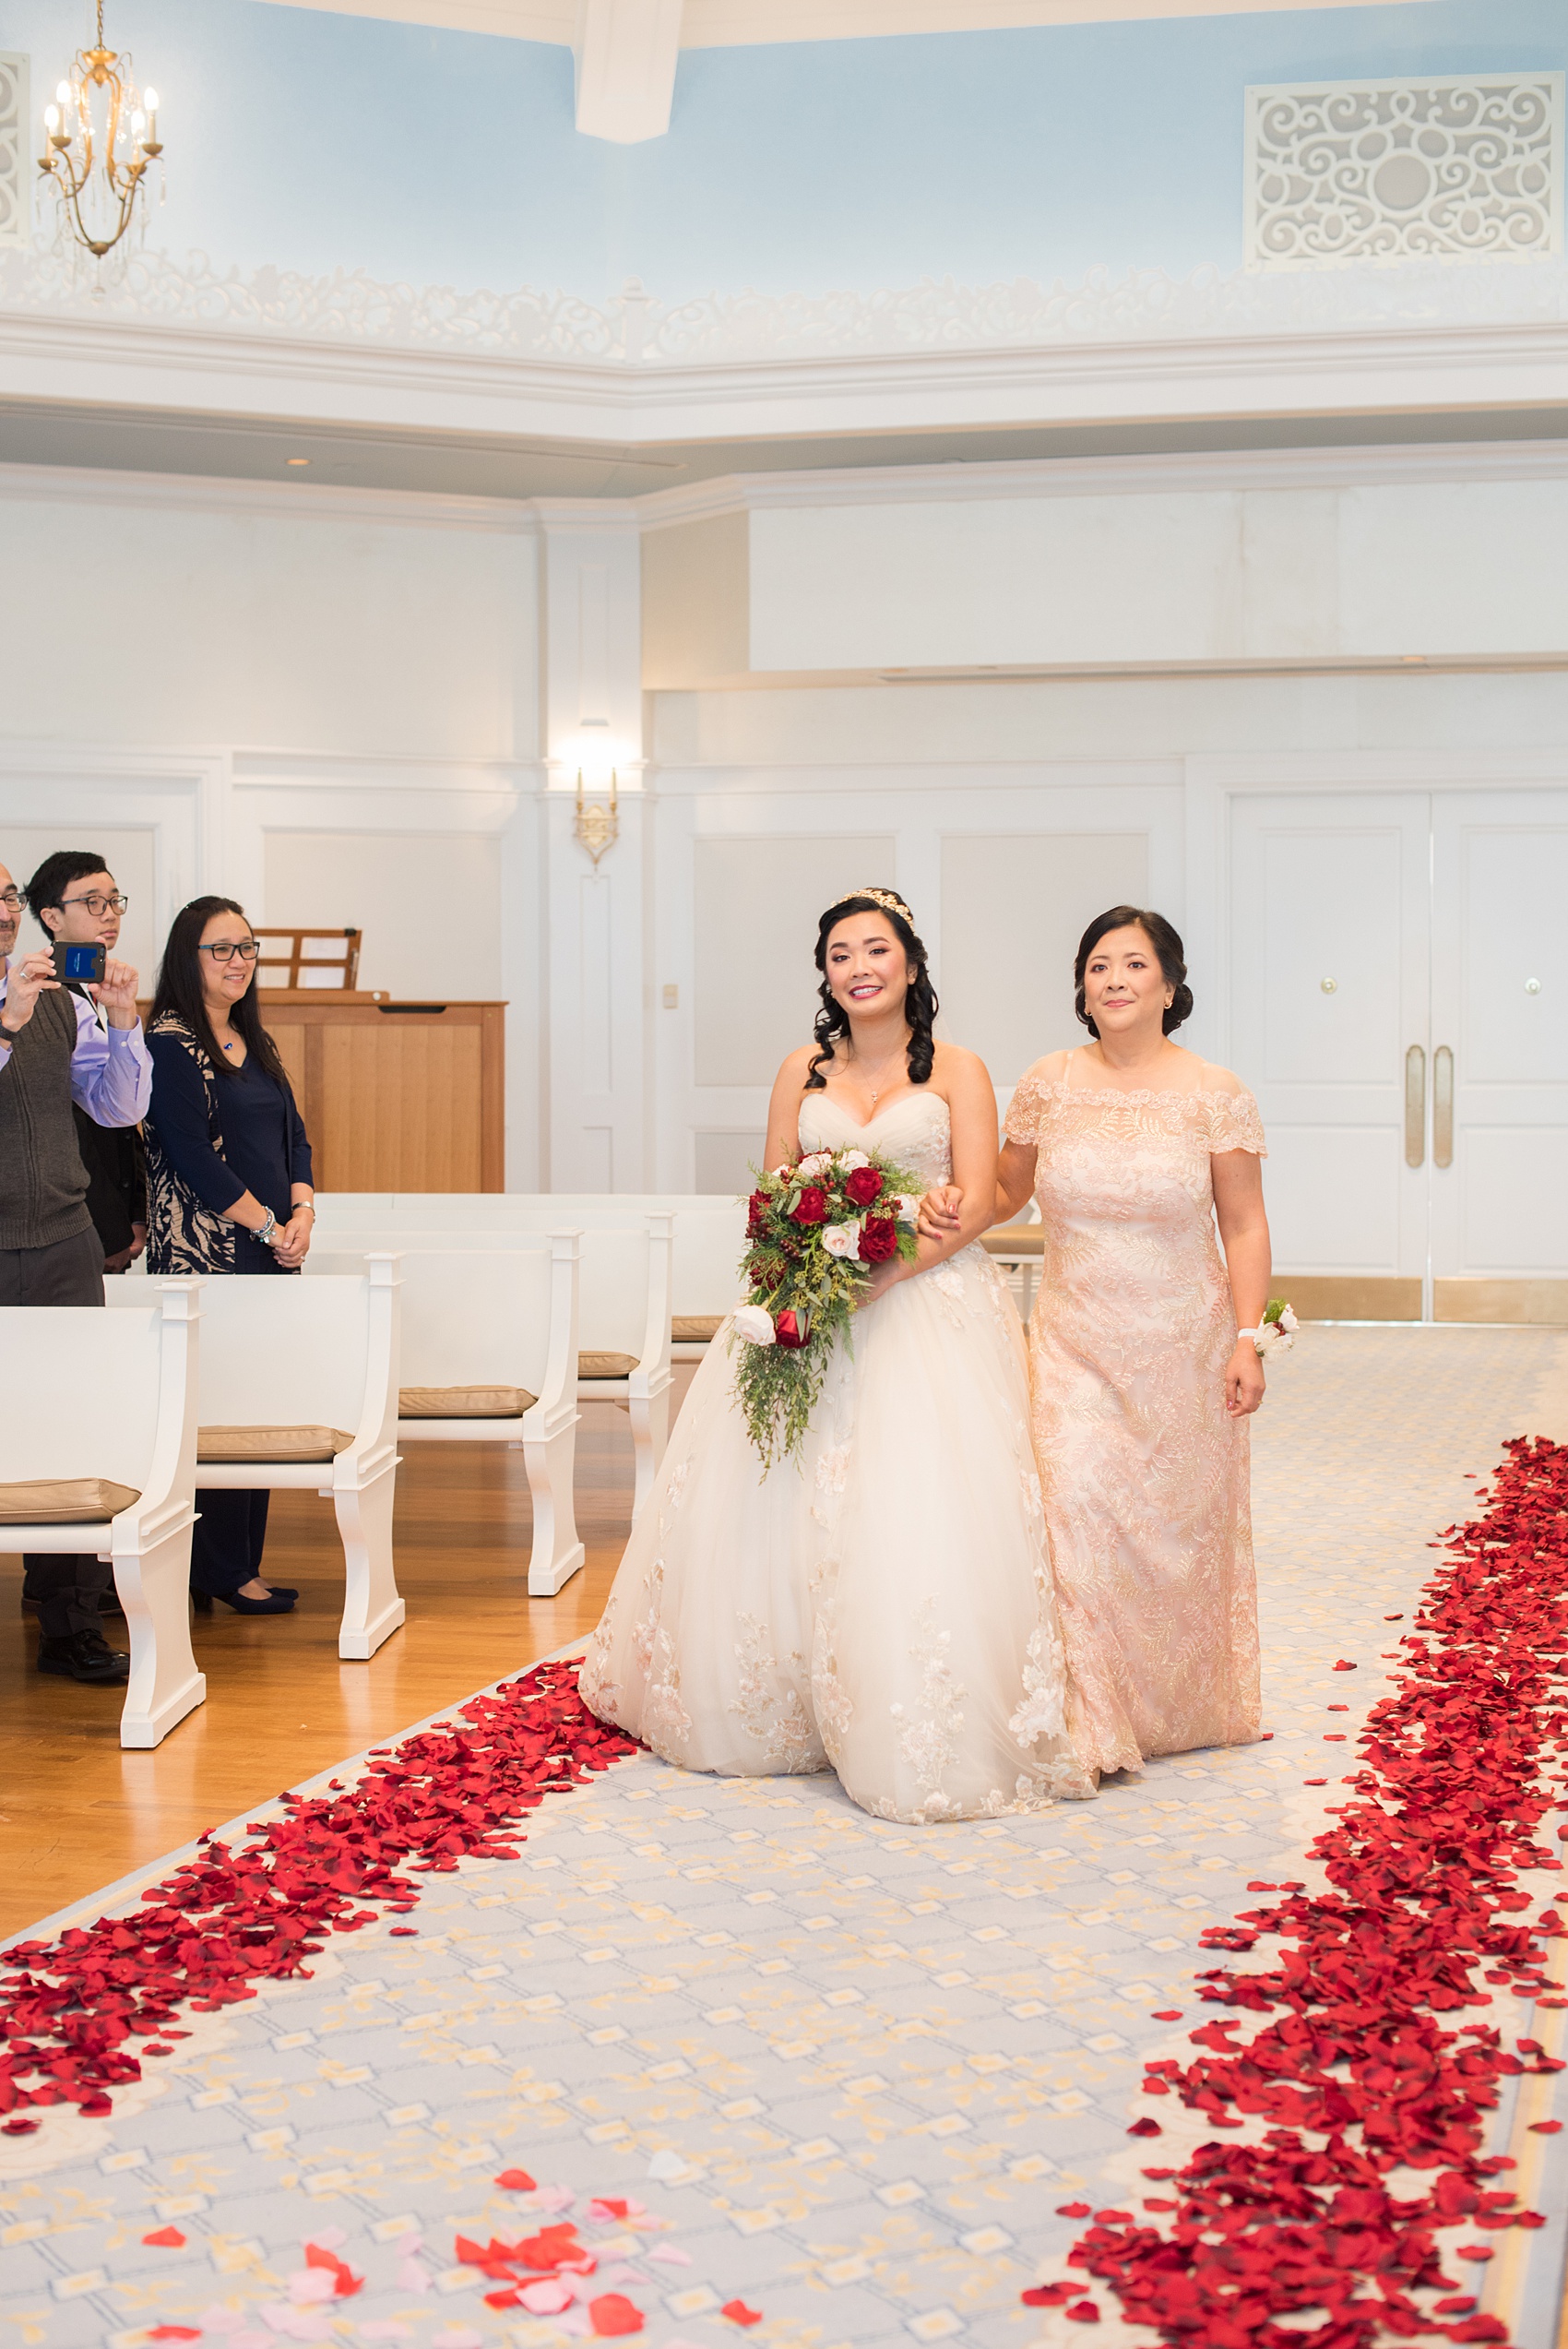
{"points": [[788, 2071]]}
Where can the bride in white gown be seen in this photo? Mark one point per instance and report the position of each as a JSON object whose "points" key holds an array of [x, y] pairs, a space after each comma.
{"points": [[881, 1605]]}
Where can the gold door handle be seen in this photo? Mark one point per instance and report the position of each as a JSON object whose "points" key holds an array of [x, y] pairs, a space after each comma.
{"points": [[1415, 1106], [1443, 1106]]}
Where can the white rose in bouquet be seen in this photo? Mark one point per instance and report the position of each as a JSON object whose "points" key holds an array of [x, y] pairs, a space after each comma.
{"points": [[1288, 1321], [850, 1159], [753, 1324], [816, 1163], [906, 1206], [841, 1239]]}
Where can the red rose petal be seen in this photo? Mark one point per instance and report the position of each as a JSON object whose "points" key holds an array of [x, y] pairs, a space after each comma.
{"points": [[1074, 2209], [515, 2181], [1166, 2014], [738, 2313], [1471, 2251], [227, 1919], [174, 2332], [1347, 2045], [167, 2238], [1342, 1666], [1146, 2128], [1082, 2312], [613, 2315], [1546, 2128], [1047, 2295]]}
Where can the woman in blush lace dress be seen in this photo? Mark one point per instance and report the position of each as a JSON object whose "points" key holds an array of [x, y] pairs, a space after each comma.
{"points": [[882, 1603], [1142, 1364]]}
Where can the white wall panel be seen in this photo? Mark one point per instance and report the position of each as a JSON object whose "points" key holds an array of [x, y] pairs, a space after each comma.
{"points": [[429, 903], [214, 618], [758, 901], [1013, 907], [1164, 574]]}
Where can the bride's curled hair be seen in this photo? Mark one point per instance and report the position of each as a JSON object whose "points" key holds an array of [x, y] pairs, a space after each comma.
{"points": [[1167, 945], [920, 1005]]}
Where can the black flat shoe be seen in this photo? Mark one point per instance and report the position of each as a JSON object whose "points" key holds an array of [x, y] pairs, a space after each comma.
{"points": [[281, 1602], [85, 1656]]}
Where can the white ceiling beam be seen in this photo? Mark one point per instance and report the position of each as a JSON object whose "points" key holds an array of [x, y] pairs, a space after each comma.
{"points": [[626, 52], [720, 24]]}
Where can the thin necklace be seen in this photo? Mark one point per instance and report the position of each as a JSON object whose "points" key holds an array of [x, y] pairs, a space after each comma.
{"points": [[883, 1068]]}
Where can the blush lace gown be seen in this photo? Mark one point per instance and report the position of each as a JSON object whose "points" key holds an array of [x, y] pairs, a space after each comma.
{"points": [[1145, 1476], [883, 1605]]}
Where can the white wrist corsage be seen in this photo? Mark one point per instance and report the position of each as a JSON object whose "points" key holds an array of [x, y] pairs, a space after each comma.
{"points": [[1275, 1333]]}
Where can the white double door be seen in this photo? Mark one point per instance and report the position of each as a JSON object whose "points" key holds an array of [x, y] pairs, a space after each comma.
{"points": [[1398, 996]]}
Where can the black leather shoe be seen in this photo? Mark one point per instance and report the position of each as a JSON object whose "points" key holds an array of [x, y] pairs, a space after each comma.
{"points": [[281, 1602], [85, 1655]]}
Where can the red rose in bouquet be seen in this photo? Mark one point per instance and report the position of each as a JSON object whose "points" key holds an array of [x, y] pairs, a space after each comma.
{"points": [[790, 1329], [879, 1239], [863, 1185], [811, 1207]]}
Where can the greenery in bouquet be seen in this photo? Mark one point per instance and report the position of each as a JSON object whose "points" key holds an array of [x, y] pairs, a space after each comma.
{"points": [[815, 1235]]}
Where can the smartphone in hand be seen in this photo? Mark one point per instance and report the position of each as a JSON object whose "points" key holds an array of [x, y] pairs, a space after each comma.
{"points": [[80, 966]]}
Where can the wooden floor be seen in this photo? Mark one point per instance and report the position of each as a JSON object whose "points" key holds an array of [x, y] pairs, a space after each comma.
{"points": [[76, 1811]]}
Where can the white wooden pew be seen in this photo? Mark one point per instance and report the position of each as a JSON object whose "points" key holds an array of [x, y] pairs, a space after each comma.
{"points": [[298, 1393], [623, 1292], [112, 1399], [709, 1235], [489, 1355]]}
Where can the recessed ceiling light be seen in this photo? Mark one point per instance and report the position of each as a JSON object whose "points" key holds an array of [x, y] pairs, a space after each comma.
{"points": [[296, 460]]}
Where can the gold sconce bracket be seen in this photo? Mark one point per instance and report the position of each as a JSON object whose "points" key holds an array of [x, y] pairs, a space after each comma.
{"points": [[598, 827]]}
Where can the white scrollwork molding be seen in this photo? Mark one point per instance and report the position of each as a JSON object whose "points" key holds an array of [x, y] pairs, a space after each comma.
{"points": [[634, 332], [1454, 168], [16, 163]]}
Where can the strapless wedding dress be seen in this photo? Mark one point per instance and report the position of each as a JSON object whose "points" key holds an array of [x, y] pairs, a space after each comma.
{"points": [[882, 1605]]}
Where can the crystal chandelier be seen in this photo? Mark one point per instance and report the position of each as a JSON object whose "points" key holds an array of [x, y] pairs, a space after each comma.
{"points": [[101, 136]]}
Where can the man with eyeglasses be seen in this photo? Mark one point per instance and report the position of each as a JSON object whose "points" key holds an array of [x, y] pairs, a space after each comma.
{"points": [[53, 1054], [75, 902]]}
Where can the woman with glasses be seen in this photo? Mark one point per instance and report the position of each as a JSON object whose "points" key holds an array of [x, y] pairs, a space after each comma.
{"points": [[228, 1179]]}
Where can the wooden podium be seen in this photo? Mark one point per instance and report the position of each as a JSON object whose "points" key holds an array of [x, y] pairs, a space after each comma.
{"points": [[394, 1096]]}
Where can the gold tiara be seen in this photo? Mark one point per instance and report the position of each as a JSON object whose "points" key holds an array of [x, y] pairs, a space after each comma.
{"points": [[890, 900]]}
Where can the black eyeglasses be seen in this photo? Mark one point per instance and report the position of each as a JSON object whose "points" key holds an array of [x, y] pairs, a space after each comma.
{"points": [[97, 906], [225, 950], [12, 900]]}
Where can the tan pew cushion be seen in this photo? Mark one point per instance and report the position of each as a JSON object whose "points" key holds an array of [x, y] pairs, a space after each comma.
{"points": [[65, 1501], [464, 1402], [606, 1366], [695, 1328], [1015, 1239], [274, 1447]]}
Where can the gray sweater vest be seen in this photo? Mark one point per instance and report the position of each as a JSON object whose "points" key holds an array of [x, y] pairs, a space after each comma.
{"points": [[42, 1180]]}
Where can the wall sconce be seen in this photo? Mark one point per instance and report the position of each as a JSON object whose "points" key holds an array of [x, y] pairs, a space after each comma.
{"points": [[598, 827]]}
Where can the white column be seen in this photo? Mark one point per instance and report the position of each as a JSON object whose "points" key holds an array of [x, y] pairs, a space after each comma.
{"points": [[597, 989]]}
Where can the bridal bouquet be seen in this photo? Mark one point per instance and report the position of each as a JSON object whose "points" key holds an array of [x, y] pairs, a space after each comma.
{"points": [[814, 1234]]}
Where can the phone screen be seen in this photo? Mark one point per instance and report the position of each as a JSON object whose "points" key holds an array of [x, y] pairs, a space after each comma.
{"points": [[83, 964]]}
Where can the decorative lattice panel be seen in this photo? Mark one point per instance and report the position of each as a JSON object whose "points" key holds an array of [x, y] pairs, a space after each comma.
{"points": [[1452, 169], [16, 163]]}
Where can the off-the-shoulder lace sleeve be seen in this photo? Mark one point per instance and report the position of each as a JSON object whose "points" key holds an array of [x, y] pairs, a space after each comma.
{"points": [[1024, 1112], [1234, 1124]]}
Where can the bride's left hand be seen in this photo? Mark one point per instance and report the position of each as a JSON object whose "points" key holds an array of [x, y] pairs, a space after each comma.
{"points": [[886, 1277], [1244, 1380]]}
